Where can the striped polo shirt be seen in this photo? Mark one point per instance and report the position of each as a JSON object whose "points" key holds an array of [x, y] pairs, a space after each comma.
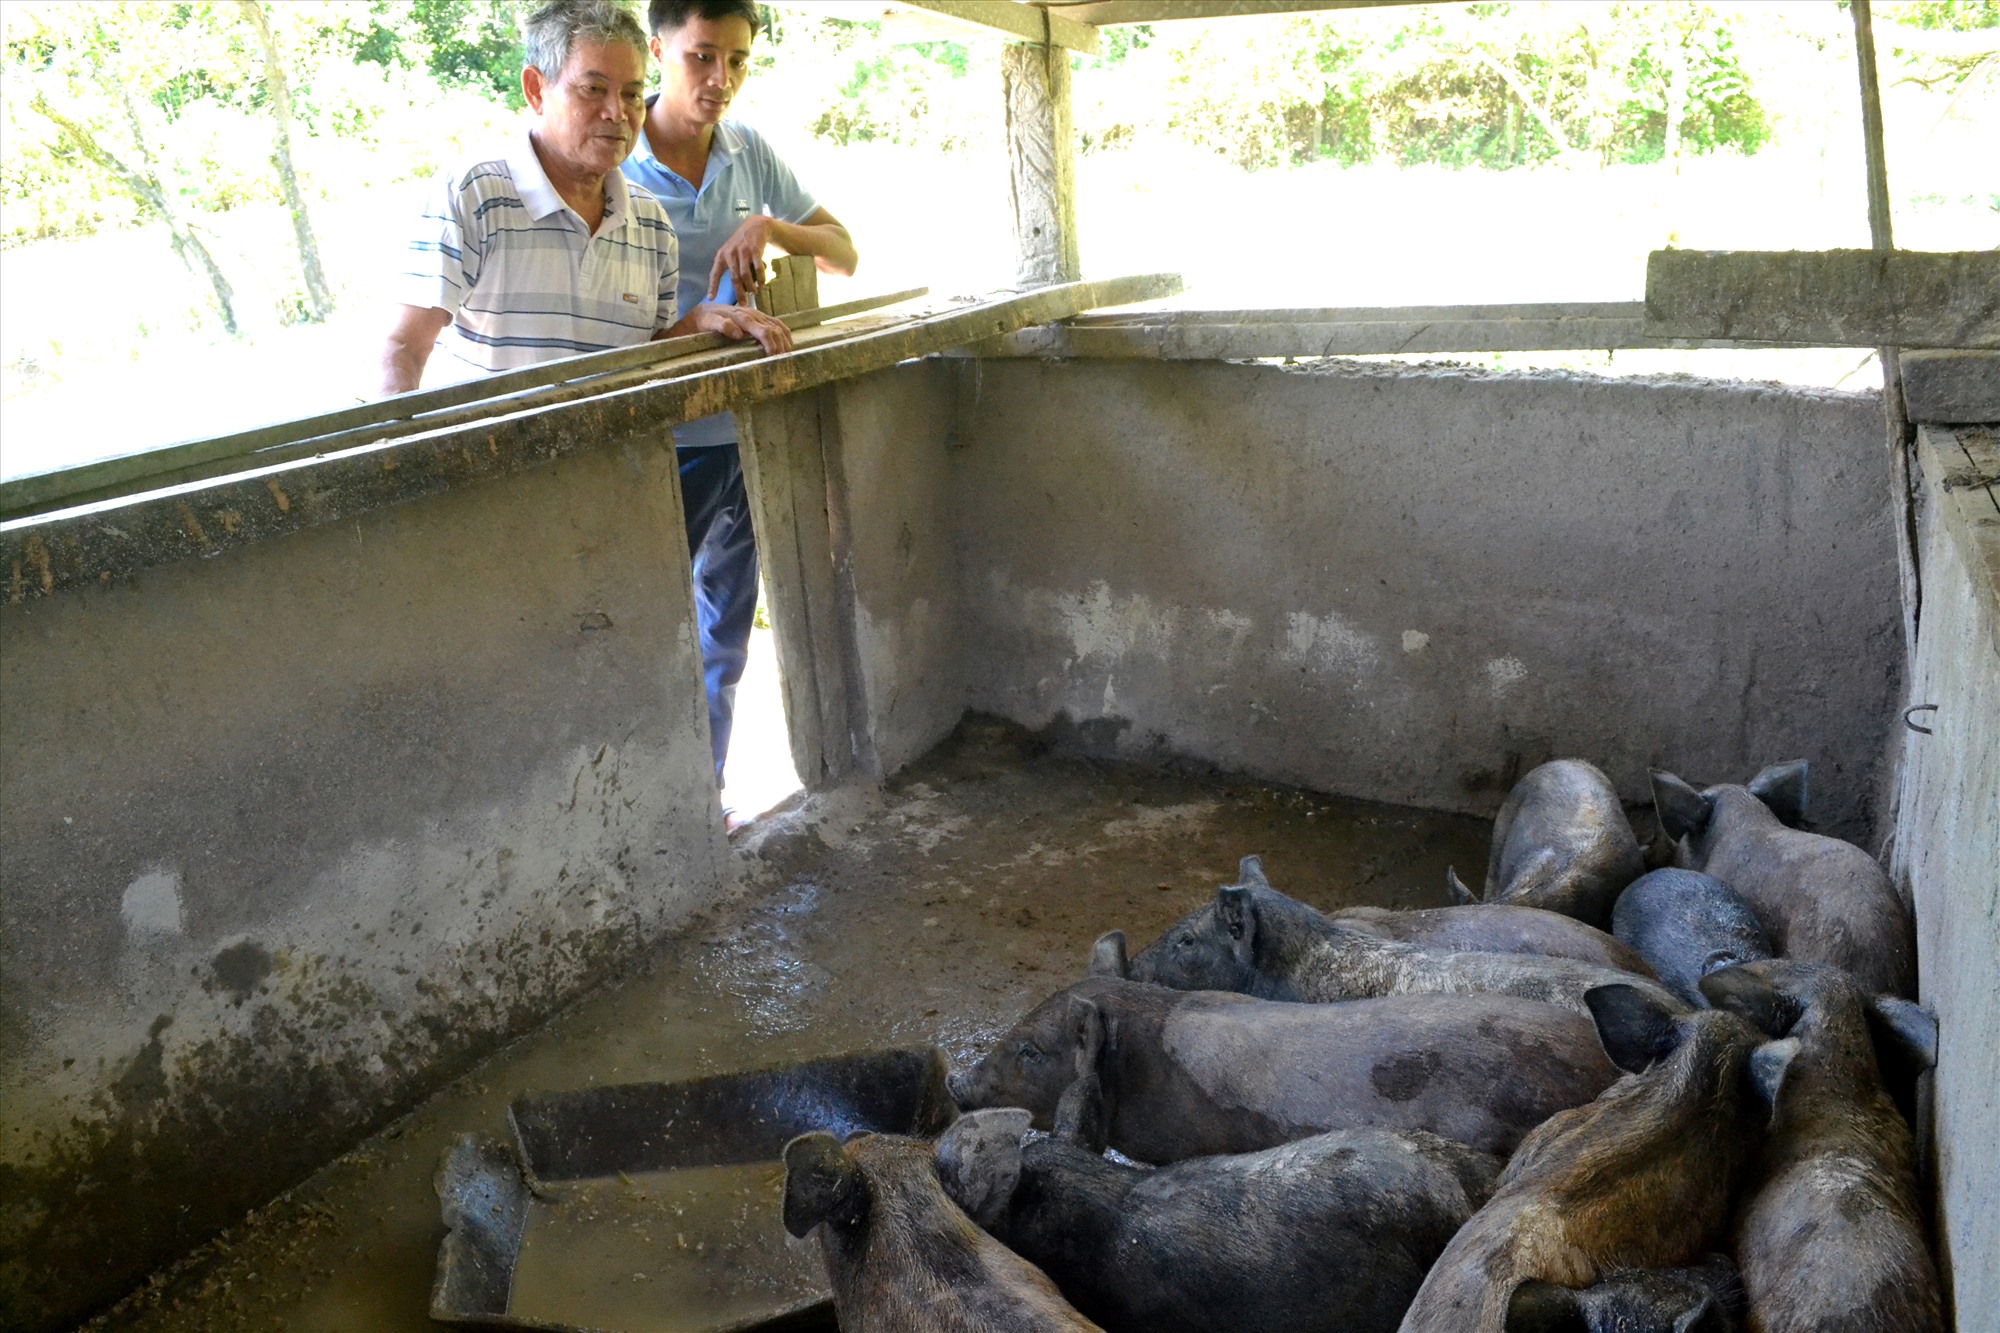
{"points": [[522, 276]]}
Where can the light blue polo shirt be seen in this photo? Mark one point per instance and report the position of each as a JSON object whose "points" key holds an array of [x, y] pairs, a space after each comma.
{"points": [[744, 176]]}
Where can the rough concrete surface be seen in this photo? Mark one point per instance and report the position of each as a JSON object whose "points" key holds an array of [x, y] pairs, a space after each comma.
{"points": [[1416, 584], [295, 833], [1951, 387], [936, 912], [1948, 848], [1827, 298], [896, 476]]}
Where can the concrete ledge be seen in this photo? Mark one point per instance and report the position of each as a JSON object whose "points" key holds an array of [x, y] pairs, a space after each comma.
{"points": [[1827, 298], [1948, 843], [1951, 387]]}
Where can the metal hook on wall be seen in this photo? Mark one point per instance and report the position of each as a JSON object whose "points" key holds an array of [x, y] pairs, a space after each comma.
{"points": [[1910, 722]]}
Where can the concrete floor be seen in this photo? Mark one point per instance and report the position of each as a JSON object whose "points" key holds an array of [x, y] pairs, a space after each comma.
{"points": [[936, 911]]}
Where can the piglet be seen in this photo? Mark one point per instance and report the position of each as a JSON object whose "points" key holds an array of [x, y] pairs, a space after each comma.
{"points": [[1330, 1234], [1687, 924], [1257, 941], [900, 1255], [1704, 1298], [1561, 841], [1642, 1177], [1820, 900], [1829, 1232], [1196, 1073]]}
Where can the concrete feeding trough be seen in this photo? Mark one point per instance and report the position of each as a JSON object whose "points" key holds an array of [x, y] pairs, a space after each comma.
{"points": [[649, 1207]]}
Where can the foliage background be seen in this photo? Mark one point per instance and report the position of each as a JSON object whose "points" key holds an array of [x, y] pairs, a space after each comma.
{"points": [[1495, 151]]}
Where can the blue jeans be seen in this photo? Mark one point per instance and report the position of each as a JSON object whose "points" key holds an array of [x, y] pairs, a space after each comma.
{"points": [[723, 549]]}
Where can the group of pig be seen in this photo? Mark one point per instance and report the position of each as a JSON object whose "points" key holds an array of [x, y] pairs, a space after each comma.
{"points": [[1596, 1099]]}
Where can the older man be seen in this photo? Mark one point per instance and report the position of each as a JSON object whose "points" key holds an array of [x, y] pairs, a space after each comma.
{"points": [[547, 251]]}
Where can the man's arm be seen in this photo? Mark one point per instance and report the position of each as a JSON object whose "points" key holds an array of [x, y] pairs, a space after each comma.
{"points": [[411, 337], [736, 322], [821, 235]]}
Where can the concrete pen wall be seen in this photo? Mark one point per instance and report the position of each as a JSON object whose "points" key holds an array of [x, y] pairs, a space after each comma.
{"points": [[1413, 584], [296, 833]]}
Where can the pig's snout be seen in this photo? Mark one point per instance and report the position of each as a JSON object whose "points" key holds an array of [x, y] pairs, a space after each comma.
{"points": [[958, 1081]]}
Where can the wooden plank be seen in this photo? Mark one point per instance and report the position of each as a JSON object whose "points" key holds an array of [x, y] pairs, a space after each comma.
{"points": [[111, 541], [174, 464], [1029, 23], [1405, 314], [1827, 298], [1882, 240], [1110, 13], [784, 475], [1041, 163], [729, 353]]}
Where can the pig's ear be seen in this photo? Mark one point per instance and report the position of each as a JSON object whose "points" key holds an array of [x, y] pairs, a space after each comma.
{"points": [[979, 1161], [1250, 870], [822, 1184], [1705, 1317], [1543, 1307], [1636, 1029], [1783, 788], [1086, 1022], [1905, 1027], [1767, 1067], [1741, 991], [1081, 1116], [1682, 809], [1236, 910], [1107, 956], [1460, 895]]}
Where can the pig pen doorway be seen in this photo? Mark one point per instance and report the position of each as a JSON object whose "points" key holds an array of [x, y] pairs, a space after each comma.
{"points": [[758, 772]]}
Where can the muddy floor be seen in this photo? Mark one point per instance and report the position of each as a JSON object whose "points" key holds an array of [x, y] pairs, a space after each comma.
{"points": [[936, 911]]}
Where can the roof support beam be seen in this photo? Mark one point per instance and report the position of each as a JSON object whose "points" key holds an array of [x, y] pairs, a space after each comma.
{"points": [[1026, 23], [1109, 13]]}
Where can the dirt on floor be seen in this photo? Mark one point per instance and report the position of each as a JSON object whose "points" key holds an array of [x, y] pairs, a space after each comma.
{"points": [[935, 911]]}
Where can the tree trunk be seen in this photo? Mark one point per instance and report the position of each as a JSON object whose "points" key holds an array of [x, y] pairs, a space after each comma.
{"points": [[1677, 77], [319, 300], [144, 186]]}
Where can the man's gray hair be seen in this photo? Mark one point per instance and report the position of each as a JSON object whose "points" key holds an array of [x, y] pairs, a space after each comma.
{"points": [[553, 31]]}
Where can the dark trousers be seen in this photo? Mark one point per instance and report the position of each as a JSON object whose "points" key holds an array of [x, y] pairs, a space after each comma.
{"points": [[724, 551]]}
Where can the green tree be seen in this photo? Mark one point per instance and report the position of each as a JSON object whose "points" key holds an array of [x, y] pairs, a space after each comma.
{"points": [[319, 299], [87, 80]]}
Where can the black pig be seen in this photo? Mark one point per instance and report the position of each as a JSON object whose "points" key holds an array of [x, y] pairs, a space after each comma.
{"points": [[1561, 841], [1687, 924], [899, 1254], [1829, 1233], [1640, 1178], [1196, 1074], [1256, 941], [1328, 1234], [1706, 1298], [1820, 900]]}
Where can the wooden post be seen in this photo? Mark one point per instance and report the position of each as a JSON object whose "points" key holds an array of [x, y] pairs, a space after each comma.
{"points": [[1041, 160], [1896, 423]]}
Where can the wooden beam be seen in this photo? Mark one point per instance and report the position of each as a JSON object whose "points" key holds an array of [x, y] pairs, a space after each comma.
{"points": [[1041, 161], [1110, 13], [1028, 23], [404, 414], [1827, 298], [103, 543], [1902, 486]]}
